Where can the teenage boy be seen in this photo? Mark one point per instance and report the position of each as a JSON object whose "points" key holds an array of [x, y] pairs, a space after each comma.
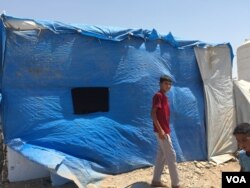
{"points": [[165, 155]]}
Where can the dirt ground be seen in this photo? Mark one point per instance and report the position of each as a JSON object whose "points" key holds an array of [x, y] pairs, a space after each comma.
{"points": [[193, 175]]}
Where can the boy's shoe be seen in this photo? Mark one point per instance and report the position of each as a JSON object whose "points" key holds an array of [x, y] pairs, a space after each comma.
{"points": [[158, 184]]}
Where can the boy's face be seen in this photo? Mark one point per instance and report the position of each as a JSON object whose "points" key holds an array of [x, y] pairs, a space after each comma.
{"points": [[165, 86], [243, 141]]}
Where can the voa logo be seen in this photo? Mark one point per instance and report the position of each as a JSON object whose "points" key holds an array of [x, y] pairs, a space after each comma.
{"points": [[236, 179]]}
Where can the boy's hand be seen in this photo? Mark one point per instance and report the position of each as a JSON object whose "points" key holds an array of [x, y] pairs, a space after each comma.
{"points": [[161, 134]]}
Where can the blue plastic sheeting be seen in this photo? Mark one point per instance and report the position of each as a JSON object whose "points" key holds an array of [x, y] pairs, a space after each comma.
{"points": [[42, 65], [1, 31], [1, 40]]}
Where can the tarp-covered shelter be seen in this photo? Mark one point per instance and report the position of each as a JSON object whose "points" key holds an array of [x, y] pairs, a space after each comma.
{"points": [[45, 61], [242, 97], [242, 85], [243, 61]]}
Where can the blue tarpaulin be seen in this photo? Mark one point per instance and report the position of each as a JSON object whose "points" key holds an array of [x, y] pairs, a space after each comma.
{"points": [[43, 61]]}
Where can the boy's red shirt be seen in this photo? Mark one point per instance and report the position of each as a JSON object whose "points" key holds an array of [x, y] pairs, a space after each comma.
{"points": [[160, 101]]}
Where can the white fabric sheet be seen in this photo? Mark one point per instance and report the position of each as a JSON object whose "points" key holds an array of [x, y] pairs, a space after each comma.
{"points": [[216, 70]]}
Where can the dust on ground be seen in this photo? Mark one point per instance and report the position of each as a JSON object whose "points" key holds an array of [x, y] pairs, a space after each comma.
{"points": [[193, 175]]}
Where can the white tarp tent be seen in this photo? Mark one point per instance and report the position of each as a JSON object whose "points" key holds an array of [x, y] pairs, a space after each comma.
{"points": [[242, 98], [243, 61], [216, 71]]}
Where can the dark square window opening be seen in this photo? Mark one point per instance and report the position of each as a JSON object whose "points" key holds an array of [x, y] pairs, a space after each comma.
{"points": [[90, 99]]}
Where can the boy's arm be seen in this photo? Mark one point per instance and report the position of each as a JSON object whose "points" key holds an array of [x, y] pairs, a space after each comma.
{"points": [[157, 124]]}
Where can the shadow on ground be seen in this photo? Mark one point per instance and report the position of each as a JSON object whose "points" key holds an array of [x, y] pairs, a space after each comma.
{"points": [[139, 185]]}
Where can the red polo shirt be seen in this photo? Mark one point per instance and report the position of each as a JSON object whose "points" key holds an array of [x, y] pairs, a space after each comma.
{"points": [[160, 101]]}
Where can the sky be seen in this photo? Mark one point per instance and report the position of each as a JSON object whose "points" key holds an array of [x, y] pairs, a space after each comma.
{"points": [[212, 21]]}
